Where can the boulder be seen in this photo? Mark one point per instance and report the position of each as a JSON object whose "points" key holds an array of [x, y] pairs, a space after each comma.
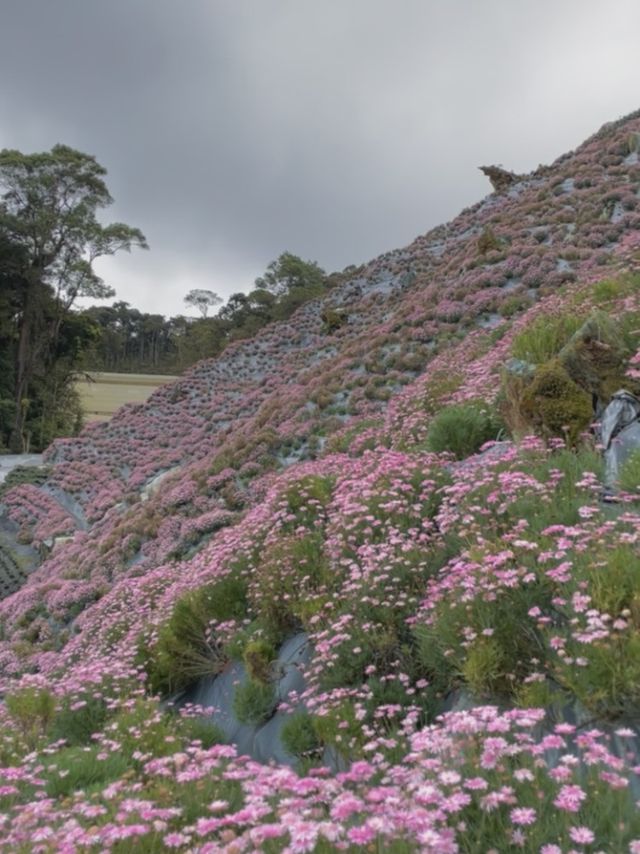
{"points": [[619, 432], [501, 179]]}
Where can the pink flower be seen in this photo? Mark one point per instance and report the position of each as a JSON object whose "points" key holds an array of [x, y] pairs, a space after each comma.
{"points": [[581, 835], [361, 835], [569, 798], [175, 840], [523, 815]]}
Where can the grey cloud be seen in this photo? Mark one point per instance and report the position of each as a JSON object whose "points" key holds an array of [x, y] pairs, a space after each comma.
{"points": [[233, 129]]}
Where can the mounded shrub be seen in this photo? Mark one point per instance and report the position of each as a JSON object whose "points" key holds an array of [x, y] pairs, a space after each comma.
{"points": [[187, 647], [32, 710], [77, 720], [258, 658], [299, 736], [596, 357], [463, 429], [554, 405], [254, 702]]}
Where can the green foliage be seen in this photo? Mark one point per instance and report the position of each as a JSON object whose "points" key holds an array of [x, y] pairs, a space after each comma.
{"points": [[333, 319], [187, 647], [341, 730], [488, 242], [254, 702], [76, 724], [614, 580], [490, 647], [484, 667], [290, 272], [462, 429], [299, 735], [258, 658], [284, 586], [538, 693], [32, 710], [50, 236], [202, 730], [202, 299], [545, 337], [440, 386], [78, 768], [307, 496], [554, 405], [596, 356], [35, 475], [510, 306], [609, 683], [629, 477], [568, 497]]}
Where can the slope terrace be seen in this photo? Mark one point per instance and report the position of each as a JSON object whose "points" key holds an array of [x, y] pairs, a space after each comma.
{"points": [[472, 618]]}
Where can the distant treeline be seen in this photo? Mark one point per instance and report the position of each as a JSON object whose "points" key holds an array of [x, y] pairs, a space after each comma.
{"points": [[128, 340], [50, 236]]}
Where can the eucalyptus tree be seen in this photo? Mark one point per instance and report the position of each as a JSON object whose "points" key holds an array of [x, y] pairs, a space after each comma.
{"points": [[203, 300]]}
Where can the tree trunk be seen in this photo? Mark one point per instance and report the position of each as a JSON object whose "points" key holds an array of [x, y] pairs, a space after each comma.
{"points": [[24, 369]]}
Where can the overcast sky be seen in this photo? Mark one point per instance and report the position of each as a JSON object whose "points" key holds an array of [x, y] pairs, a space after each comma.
{"points": [[336, 129]]}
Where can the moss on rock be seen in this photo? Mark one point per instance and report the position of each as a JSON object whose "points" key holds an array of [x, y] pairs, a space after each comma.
{"points": [[554, 405], [595, 357]]}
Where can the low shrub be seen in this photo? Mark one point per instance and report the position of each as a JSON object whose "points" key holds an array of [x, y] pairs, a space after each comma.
{"points": [[299, 736], [286, 581], [32, 710], [554, 405], [545, 337], [79, 719], [81, 768], [254, 702], [462, 429], [258, 658], [333, 319], [202, 730], [596, 356], [306, 498], [187, 647], [488, 242]]}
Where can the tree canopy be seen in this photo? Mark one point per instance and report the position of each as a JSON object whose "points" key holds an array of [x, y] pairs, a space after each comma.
{"points": [[49, 228], [288, 273], [203, 300]]}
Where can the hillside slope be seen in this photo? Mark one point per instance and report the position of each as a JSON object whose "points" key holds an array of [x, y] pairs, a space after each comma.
{"points": [[471, 620]]}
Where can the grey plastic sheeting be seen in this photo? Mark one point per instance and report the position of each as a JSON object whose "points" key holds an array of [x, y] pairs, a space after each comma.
{"points": [[263, 742], [619, 433]]}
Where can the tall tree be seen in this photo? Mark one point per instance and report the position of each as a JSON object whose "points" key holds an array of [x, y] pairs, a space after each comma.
{"points": [[203, 300], [48, 208], [289, 272]]}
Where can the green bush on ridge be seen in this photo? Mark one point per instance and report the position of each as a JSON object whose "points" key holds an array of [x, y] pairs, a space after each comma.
{"points": [[462, 429]]}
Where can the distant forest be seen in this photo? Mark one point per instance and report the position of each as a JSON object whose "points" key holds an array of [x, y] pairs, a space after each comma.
{"points": [[128, 340], [50, 236]]}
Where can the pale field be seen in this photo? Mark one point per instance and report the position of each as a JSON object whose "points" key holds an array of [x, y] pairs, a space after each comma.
{"points": [[108, 392]]}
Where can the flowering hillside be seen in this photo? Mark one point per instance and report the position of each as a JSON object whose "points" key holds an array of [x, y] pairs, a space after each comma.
{"points": [[403, 480]]}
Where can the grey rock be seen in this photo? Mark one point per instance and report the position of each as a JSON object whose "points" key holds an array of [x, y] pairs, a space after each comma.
{"points": [[263, 742], [623, 408], [619, 433], [520, 368]]}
